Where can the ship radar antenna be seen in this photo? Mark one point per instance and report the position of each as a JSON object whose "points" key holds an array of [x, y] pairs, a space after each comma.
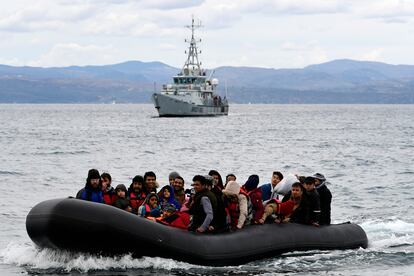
{"points": [[192, 65]]}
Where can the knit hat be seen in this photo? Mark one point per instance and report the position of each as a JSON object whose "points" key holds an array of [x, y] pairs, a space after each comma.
{"points": [[121, 187], [251, 182], [319, 176], [173, 175], [93, 174], [232, 188], [169, 207]]}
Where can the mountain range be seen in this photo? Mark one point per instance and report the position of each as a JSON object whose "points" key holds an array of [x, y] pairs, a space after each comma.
{"points": [[338, 81]]}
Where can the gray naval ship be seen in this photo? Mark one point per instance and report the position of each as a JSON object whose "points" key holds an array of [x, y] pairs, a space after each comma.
{"points": [[192, 93]]}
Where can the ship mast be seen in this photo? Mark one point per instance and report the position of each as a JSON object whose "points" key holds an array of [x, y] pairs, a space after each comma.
{"points": [[192, 66]]}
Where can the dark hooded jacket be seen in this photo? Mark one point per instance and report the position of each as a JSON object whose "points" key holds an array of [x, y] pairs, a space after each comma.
{"points": [[325, 197], [197, 210]]}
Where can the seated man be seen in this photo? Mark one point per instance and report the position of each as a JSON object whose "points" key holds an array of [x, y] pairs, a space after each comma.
{"points": [[136, 193], [204, 207], [179, 192], [172, 176], [294, 209], [93, 188], [313, 200], [151, 184], [269, 191], [300, 212]]}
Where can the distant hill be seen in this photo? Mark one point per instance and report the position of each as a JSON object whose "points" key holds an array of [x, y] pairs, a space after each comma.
{"points": [[338, 81]]}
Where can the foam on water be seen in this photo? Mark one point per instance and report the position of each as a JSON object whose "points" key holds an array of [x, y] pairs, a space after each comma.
{"points": [[389, 233], [29, 256]]}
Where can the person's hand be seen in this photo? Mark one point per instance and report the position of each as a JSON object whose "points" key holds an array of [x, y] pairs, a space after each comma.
{"points": [[200, 230], [278, 221], [315, 224], [211, 228]]}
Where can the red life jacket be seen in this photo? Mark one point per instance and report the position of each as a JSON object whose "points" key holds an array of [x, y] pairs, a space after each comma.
{"points": [[233, 211], [283, 208], [109, 198], [136, 200], [178, 219], [255, 199]]}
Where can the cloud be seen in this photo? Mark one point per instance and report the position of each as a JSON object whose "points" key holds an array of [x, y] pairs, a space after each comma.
{"points": [[74, 54], [390, 11], [283, 7], [170, 4], [44, 18]]}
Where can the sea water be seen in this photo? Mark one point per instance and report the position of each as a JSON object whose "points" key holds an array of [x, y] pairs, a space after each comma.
{"points": [[365, 151]]}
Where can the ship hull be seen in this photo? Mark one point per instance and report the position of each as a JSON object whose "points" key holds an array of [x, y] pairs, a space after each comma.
{"points": [[170, 106]]}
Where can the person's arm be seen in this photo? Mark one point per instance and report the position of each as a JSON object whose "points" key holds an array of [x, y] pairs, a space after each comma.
{"points": [[257, 206], [243, 211], [208, 210], [141, 211]]}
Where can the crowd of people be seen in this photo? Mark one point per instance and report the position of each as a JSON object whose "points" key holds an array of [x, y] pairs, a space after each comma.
{"points": [[213, 206]]}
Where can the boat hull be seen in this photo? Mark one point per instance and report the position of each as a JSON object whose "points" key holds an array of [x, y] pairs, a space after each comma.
{"points": [[78, 225], [169, 106]]}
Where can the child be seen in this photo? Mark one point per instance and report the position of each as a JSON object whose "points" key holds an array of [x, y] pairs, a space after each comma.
{"points": [[166, 196], [109, 195], [122, 202], [172, 217], [150, 207]]}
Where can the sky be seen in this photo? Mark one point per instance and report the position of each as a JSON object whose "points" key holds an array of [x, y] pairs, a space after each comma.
{"points": [[258, 33]]}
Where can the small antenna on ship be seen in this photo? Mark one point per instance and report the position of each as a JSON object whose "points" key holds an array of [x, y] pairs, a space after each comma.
{"points": [[192, 64]]}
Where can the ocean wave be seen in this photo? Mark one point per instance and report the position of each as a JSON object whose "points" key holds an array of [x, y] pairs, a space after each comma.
{"points": [[33, 258], [10, 173], [76, 152]]}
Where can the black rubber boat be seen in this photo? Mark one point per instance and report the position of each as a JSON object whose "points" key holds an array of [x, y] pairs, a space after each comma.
{"points": [[83, 226]]}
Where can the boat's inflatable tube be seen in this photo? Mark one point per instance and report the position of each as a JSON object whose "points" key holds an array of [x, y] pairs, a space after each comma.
{"points": [[84, 226]]}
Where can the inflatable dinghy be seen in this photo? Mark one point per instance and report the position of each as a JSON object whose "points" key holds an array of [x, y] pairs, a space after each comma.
{"points": [[84, 226]]}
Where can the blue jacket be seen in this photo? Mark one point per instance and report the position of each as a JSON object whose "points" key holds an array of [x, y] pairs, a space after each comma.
{"points": [[266, 191], [90, 194]]}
